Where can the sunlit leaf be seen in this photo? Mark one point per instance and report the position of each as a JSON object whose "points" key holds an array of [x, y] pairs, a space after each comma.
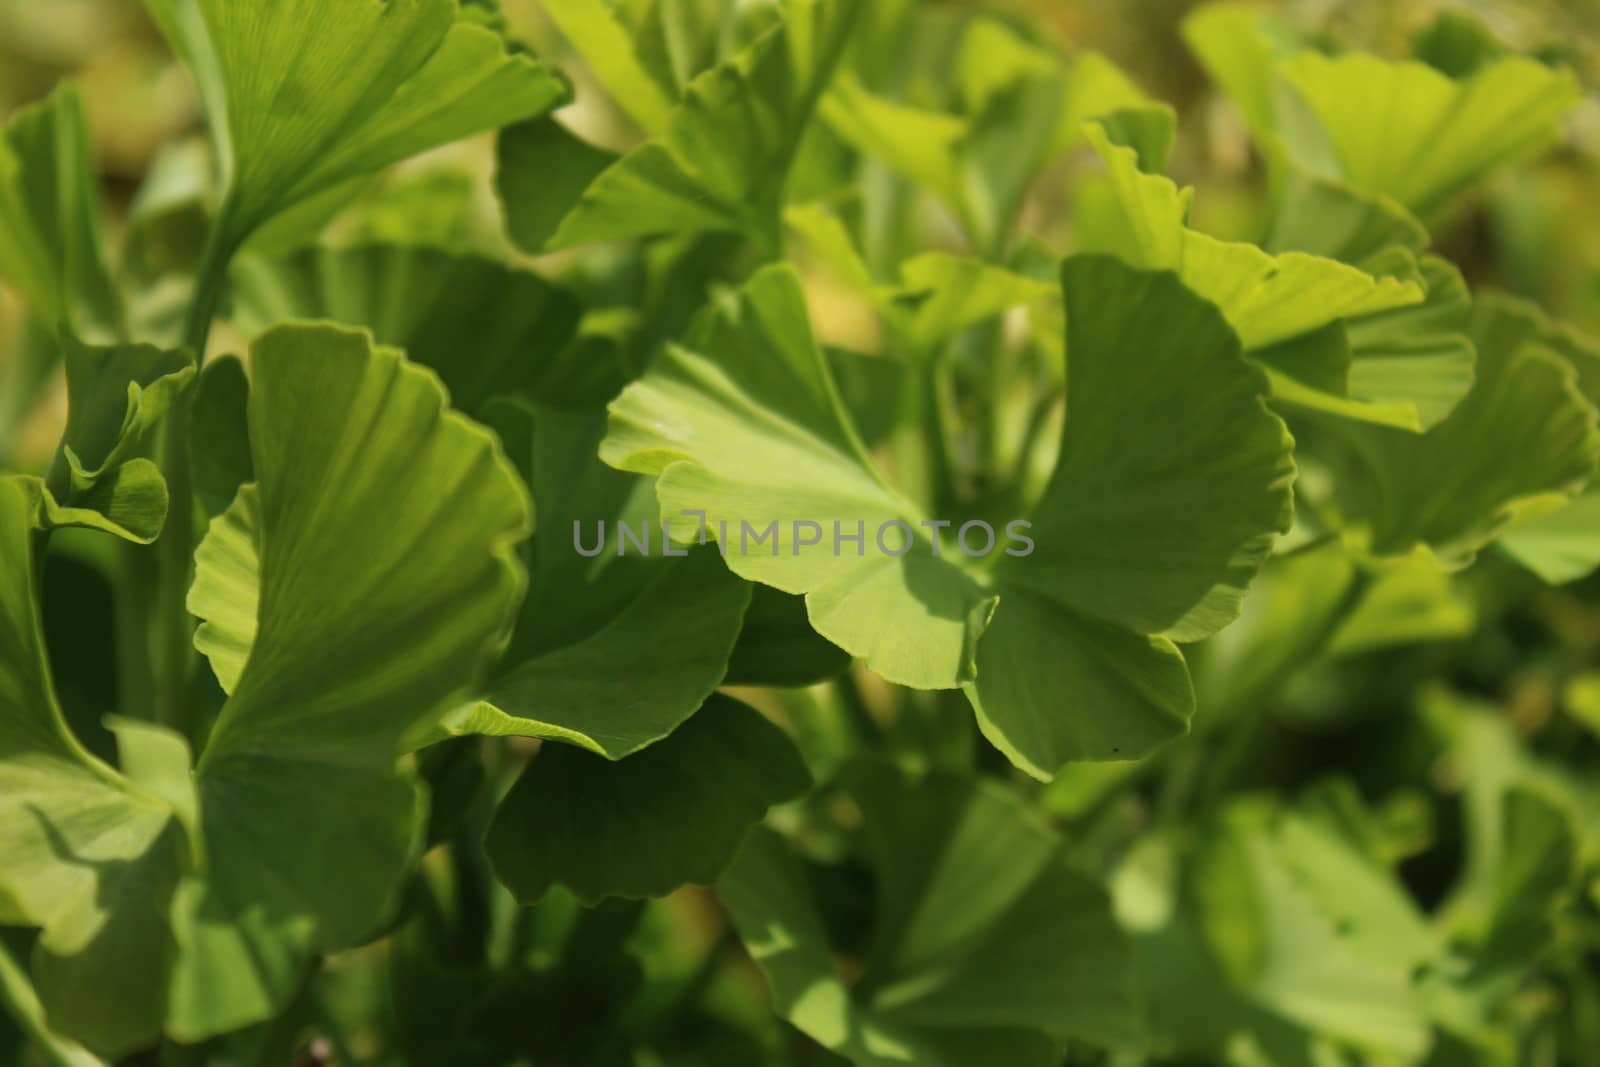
{"points": [[603, 41], [744, 423], [1440, 134], [303, 98], [724, 157]]}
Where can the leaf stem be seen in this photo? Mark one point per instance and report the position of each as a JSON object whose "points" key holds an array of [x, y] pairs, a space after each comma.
{"points": [[173, 630]]}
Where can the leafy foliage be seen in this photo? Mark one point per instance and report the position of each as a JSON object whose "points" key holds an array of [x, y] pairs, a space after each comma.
{"points": [[821, 553]]}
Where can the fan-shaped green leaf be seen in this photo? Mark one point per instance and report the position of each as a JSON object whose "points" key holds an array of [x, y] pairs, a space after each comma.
{"points": [[723, 160], [117, 396], [1266, 299], [1023, 106], [380, 601], [1285, 953], [744, 423], [51, 248], [425, 301], [76, 834], [778, 647], [304, 97], [591, 607], [1557, 539], [1440, 134], [219, 434], [1325, 217], [966, 966], [605, 44], [1240, 46], [541, 171], [672, 815], [1523, 431], [1110, 573], [23, 1007]]}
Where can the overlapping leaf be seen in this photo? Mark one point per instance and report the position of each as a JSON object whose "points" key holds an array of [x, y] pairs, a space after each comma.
{"points": [[1290, 310], [1088, 615], [1021, 106], [673, 814], [723, 160], [76, 834], [599, 35], [743, 423], [117, 397], [988, 945], [294, 829], [51, 247], [939, 294], [673, 618], [1525, 430], [304, 98], [1262, 894], [425, 301], [1440, 132]]}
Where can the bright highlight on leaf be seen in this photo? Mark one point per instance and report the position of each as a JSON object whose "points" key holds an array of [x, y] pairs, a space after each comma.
{"points": [[297, 114], [722, 161]]}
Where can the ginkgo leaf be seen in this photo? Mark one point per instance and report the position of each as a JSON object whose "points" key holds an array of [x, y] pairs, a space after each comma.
{"points": [[939, 296], [23, 1007], [77, 834], [425, 301], [1407, 368], [391, 645], [1457, 44], [724, 158], [1240, 46], [923, 145], [605, 44], [598, 599], [744, 423], [1421, 357], [1556, 538], [116, 398], [973, 960], [1384, 342], [303, 98], [541, 171], [1327, 217], [1023, 106], [1524, 430], [1266, 299], [672, 815], [226, 593], [51, 246], [676, 638], [1440, 134], [1285, 952], [1086, 611], [219, 434]]}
